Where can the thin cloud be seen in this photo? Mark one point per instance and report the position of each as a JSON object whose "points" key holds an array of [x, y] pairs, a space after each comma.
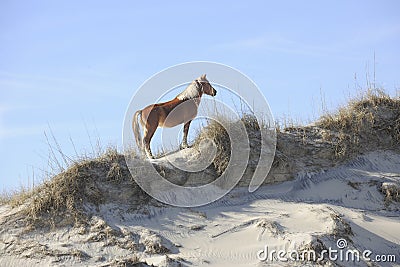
{"points": [[338, 47], [275, 44]]}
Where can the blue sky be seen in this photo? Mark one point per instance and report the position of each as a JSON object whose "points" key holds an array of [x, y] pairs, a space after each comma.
{"points": [[74, 65]]}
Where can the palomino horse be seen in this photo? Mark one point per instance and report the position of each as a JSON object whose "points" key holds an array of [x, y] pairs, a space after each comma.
{"points": [[181, 109]]}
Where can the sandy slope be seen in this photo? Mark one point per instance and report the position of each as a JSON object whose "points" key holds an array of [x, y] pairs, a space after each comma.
{"points": [[312, 211]]}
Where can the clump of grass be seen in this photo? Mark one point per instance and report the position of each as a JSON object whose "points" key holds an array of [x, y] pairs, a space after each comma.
{"points": [[15, 197], [341, 228], [66, 192], [62, 199], [370, 120], [391, 191], [127, 262], [312, 251], [215, 131], [5, 198]]}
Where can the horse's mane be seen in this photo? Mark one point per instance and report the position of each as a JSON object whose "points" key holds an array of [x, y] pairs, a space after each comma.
{"points": [[192, 91]]}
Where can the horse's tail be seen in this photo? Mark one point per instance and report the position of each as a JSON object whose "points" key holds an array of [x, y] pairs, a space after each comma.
{"points": [[136, 129]]}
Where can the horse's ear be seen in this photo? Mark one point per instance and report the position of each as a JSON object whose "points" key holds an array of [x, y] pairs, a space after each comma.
{"points": [[203, 76]]}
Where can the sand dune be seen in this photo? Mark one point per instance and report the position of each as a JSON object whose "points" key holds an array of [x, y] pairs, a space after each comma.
{"points": [[342, 202], [324, 190]]}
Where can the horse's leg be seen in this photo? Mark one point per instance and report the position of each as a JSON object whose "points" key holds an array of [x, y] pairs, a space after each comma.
{"points": [[185, 134], [148, 134]]}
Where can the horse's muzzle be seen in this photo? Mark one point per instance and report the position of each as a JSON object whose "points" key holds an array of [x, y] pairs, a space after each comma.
{"points": [[214, 92]]}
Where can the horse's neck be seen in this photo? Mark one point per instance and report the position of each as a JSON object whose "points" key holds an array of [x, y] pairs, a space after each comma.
{"points": [[190, 92]]}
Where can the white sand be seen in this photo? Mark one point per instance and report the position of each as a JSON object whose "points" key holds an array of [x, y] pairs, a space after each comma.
{"points": [[231, 231]]}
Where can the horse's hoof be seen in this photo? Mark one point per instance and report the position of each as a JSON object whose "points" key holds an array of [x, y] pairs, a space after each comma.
{"points": [[149, 156], [183, 146]]}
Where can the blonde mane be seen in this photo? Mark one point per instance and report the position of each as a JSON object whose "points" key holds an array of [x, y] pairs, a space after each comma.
{"points": [[192, 91]]}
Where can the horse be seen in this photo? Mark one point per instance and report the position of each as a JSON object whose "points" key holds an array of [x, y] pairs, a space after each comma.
{"points": [[180, 110]]}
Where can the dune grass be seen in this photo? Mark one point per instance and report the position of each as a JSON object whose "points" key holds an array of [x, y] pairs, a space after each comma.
{"points": [[61, 199], [371, 120], [215, 131]]}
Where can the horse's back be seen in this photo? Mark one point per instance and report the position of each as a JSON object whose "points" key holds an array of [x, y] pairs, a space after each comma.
{"points": [[169, 114]]}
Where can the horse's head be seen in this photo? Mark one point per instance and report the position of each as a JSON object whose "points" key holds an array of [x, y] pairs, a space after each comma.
{"points": [[206, 86]]}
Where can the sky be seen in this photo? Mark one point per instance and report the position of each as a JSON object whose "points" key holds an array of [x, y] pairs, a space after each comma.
{"points": [[70, 68]]}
